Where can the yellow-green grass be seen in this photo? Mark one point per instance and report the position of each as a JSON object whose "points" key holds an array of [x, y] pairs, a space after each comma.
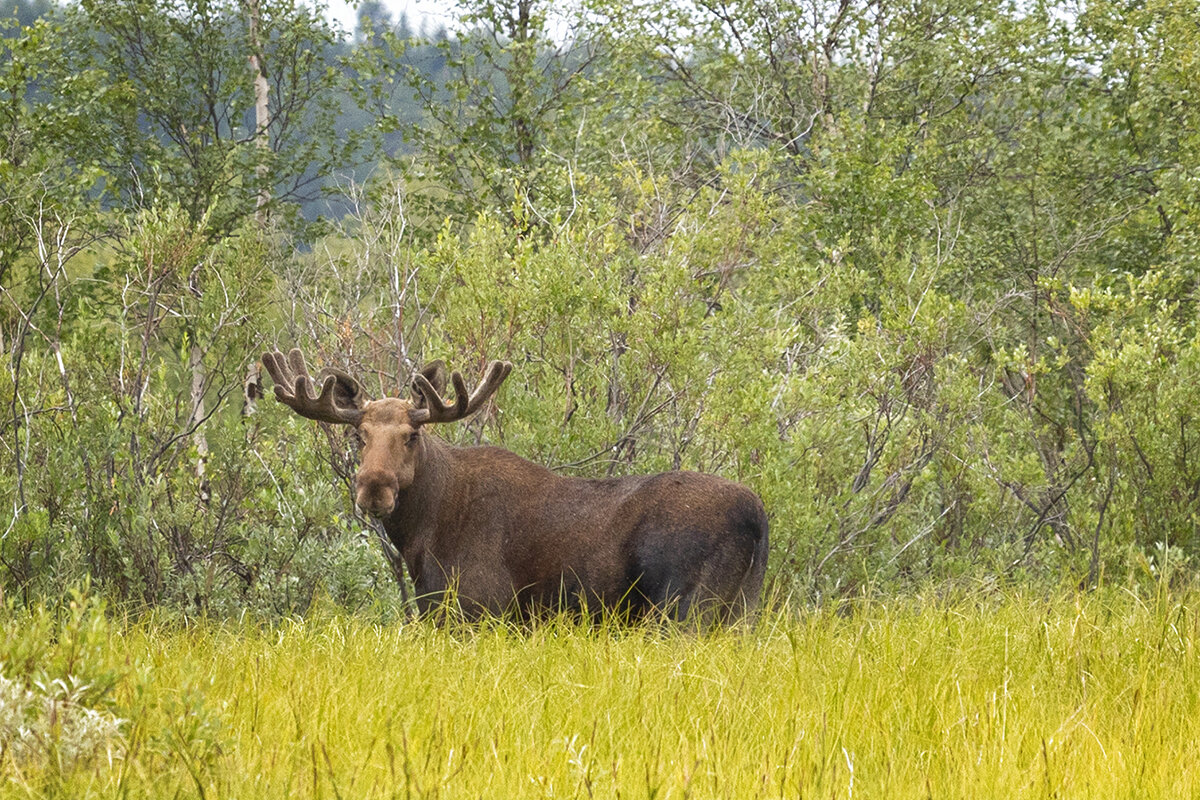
{"points": [[1090, 695]]}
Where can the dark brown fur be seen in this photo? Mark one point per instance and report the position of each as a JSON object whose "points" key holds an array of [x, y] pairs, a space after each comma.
{"points": [[502, 534]]}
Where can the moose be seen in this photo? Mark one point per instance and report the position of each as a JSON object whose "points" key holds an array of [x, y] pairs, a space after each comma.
{"points": [[503, 535]]}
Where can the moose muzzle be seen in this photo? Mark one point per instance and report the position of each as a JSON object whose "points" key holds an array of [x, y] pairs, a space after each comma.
{"points": [[375, 492]]}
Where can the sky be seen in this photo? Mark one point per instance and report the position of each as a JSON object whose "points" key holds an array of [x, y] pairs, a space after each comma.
{"points": [[429, 15], [428, 12]]}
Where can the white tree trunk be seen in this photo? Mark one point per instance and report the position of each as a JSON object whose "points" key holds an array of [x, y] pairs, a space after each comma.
{"points": [[196, 362], [262, 93]]}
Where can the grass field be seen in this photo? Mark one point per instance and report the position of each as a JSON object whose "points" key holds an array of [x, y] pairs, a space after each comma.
{"points": [[1094, 695]]}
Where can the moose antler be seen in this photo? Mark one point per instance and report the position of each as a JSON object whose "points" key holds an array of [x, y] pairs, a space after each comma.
{"points": [[438, 410], [292, 388]]}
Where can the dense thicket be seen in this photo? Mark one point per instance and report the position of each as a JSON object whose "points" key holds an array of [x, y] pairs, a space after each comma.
{"points": [[922, 274]]}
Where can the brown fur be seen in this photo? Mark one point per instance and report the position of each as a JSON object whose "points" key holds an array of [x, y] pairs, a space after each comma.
{"points": [[504, 534]]}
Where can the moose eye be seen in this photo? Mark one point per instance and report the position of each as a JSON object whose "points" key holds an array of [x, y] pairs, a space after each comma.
{"points": [[412, 439]]}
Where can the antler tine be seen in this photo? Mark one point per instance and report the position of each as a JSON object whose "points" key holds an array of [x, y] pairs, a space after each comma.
{"points": [[464, 405], [296, 361], [277, 368], [293, 389], [497, 371]]}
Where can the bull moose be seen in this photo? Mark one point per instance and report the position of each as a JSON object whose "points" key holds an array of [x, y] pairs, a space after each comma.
{"points": [[504, 535]]}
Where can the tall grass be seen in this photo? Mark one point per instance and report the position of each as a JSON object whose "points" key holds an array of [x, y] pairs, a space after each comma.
{"points": [[1094, 695]]}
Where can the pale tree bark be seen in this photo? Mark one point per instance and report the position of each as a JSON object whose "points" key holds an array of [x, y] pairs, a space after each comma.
{"points": [[262, 92], [199, 377], [262, 141], [262, 120], [824, 57]]}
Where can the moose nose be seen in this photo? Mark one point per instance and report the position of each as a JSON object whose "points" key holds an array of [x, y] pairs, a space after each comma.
{"points": [[376, 492]]}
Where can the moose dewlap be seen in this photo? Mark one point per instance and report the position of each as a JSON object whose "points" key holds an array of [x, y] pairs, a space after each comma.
{"points": [[501, 534]]}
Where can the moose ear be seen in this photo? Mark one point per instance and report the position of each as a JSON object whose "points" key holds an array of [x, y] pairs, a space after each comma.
{"points": [[347, 392], [435, 373]]}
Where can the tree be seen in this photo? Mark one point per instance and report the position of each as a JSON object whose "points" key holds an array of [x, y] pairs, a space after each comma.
{"points": [[24, 12], [186, 129], [220, 109], [501, 117]]}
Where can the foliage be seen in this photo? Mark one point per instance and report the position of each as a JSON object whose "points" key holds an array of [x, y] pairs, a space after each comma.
{"points": [[180, 127], [111, 490], [923, 276], [503, 101], [56, 714]]}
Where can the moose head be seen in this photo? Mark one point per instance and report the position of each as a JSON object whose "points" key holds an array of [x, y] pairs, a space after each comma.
{"points": [[390, 428]]}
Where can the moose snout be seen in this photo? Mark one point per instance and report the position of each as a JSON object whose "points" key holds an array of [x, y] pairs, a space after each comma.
{"points": [[375, 492]]}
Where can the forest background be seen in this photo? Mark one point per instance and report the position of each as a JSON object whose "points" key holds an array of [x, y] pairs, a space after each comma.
{"points": [[923, 274]]}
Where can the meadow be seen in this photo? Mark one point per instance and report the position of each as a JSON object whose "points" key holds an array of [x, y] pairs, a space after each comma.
{"points": [[973, 696]]}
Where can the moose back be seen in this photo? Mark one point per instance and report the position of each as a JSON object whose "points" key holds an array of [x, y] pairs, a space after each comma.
{"points": [[504, 535]]}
